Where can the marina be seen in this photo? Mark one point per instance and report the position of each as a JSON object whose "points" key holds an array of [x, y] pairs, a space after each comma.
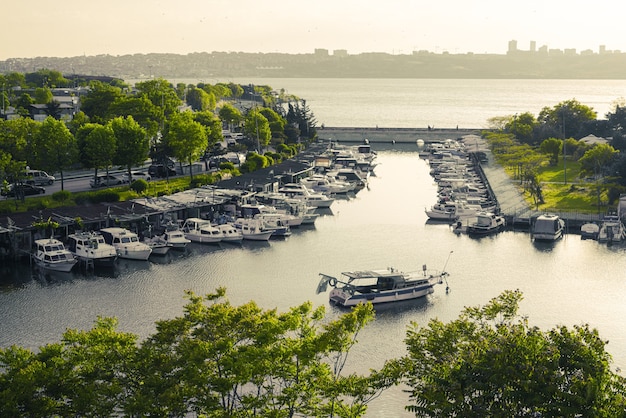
{"points": [[384, 224]]}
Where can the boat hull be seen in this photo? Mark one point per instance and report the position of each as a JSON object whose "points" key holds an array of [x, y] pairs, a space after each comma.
{"points": [[134, 253], [341, 297], [64, 267]]}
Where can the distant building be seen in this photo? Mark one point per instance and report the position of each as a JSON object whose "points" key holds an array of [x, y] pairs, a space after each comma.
{"points": [[512, 46], [533, 46], [321, 52], [602, 49], [340, 52]]}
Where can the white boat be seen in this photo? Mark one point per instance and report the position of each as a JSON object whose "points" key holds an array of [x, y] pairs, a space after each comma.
{"points": [[380, 286], [175, 238], [548, 227], [230, 233], [321, 183], [276, 223], [254, 210], [486, 223], [158, 245], [126, 243], [611, 230], [51, 254], [202, 231], [300, 191], [91, 247], [589, 231], [442, 212], [253, 229]]}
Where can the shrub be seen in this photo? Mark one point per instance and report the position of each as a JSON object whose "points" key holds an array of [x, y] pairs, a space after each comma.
{"points": [[139, 186], [105, 196], [61, 196]]}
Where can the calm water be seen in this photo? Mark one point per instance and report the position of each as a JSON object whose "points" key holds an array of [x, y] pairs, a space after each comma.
{"points": [[569, 282], [415, 103]]}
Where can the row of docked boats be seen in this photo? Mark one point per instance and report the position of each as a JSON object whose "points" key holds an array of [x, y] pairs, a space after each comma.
{"points": [[463, 197], [610, 230]]}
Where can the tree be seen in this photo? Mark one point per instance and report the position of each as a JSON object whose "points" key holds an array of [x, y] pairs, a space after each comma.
{"points": [[186, 138], [276, 123], [230, 114], [56, 147], [225, 360], [212, 124], [43, 95], [161, 93], [143, 111], [132, 142], [17, 136], [597, 159], [552, 147], [522, 127], [566, 119], [256, 126], [491, 362], [97, 103], [97, 147], [199, 99]]}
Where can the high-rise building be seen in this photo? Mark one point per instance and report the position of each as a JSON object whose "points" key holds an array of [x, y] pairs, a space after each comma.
{"points": [[533, 46], [512, 46]]}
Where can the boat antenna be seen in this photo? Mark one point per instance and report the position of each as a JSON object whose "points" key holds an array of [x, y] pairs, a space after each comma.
{"points": [[444, 274]]}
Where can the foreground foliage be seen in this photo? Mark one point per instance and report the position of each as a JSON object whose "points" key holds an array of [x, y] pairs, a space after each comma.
{"points": [[491, 362]]}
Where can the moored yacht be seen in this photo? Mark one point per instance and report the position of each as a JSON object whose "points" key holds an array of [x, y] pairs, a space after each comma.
{"points": [[548, 227], [201, 231], [51, 254], [90, 247], [126, 243]]}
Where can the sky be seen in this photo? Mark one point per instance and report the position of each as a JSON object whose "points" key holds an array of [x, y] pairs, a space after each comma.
{"points": [[44, 28]]}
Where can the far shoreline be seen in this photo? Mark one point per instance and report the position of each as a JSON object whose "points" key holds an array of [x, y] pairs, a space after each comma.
{"points": [[392, 135]]}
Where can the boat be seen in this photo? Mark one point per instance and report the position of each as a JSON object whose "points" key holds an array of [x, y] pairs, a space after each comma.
{"points": [[230, 233], [91, 248], [548, 227], [175, 238], [126, 243], [442, 212], [276, 223], [158, 245], [380, 286], [486, 223], [253, 229], [321, 183], [300, 191], [589, 231], [611, 230], [201, 231], [51, 254]]}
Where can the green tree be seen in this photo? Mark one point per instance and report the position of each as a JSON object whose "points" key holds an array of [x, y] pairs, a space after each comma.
{"points": [[276, 123], [212, 124], [186, 138], [566, 119], [56, 147], [97, 146], [522, 127], [491, 362], [97, 103], [43, 95], [16, 138], [161, 93], [553, 148], [597, 159], [132, 142], [257, 126], [143, 111], [199, 99], [231, 115]]}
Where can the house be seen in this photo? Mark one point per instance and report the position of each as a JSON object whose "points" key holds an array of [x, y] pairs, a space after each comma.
{"points": [[591, 139]]}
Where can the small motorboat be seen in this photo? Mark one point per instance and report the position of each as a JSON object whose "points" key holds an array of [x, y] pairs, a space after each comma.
{"points": [[589, 231], [126, 243], [202, 231], [380, 286], [486, 223], [611, 230], [91, 248], [51, 254], [548, 227]]}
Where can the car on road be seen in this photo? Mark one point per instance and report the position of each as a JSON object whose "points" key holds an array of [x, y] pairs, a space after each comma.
{"points": [[23, 189], [39, 177], [106, 181], [160, 170], [136, 175]]}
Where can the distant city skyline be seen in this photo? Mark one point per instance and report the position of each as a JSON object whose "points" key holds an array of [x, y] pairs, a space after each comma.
{"points": [[46, 29]]}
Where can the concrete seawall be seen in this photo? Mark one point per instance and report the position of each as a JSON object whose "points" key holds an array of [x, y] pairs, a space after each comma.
{"points": [[387, 135]]}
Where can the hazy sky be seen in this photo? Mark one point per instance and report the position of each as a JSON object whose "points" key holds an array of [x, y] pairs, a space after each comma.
{"points": [[71, 27]]}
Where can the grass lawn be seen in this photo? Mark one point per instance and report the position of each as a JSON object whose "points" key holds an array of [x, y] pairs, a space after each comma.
{"points": [[575, 194]]}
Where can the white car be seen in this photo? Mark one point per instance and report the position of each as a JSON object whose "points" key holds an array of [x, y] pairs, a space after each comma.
{"points": [[136, 175], [106, 181]]}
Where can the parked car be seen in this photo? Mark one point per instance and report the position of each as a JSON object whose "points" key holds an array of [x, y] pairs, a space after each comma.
{"points": [[23, 189], [160, 170], [39, 177], [136, 175], [106, 181]]}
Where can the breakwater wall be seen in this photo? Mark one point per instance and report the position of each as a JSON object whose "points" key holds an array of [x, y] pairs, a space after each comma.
{"points": [[387, 135]]}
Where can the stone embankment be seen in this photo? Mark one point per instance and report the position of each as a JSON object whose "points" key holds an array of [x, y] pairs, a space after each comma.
{"points": [[387, 135]]}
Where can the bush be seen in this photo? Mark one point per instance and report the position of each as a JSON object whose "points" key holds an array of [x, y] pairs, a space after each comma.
{"points": [[139, 186], [61, 196], [105, 196]]}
